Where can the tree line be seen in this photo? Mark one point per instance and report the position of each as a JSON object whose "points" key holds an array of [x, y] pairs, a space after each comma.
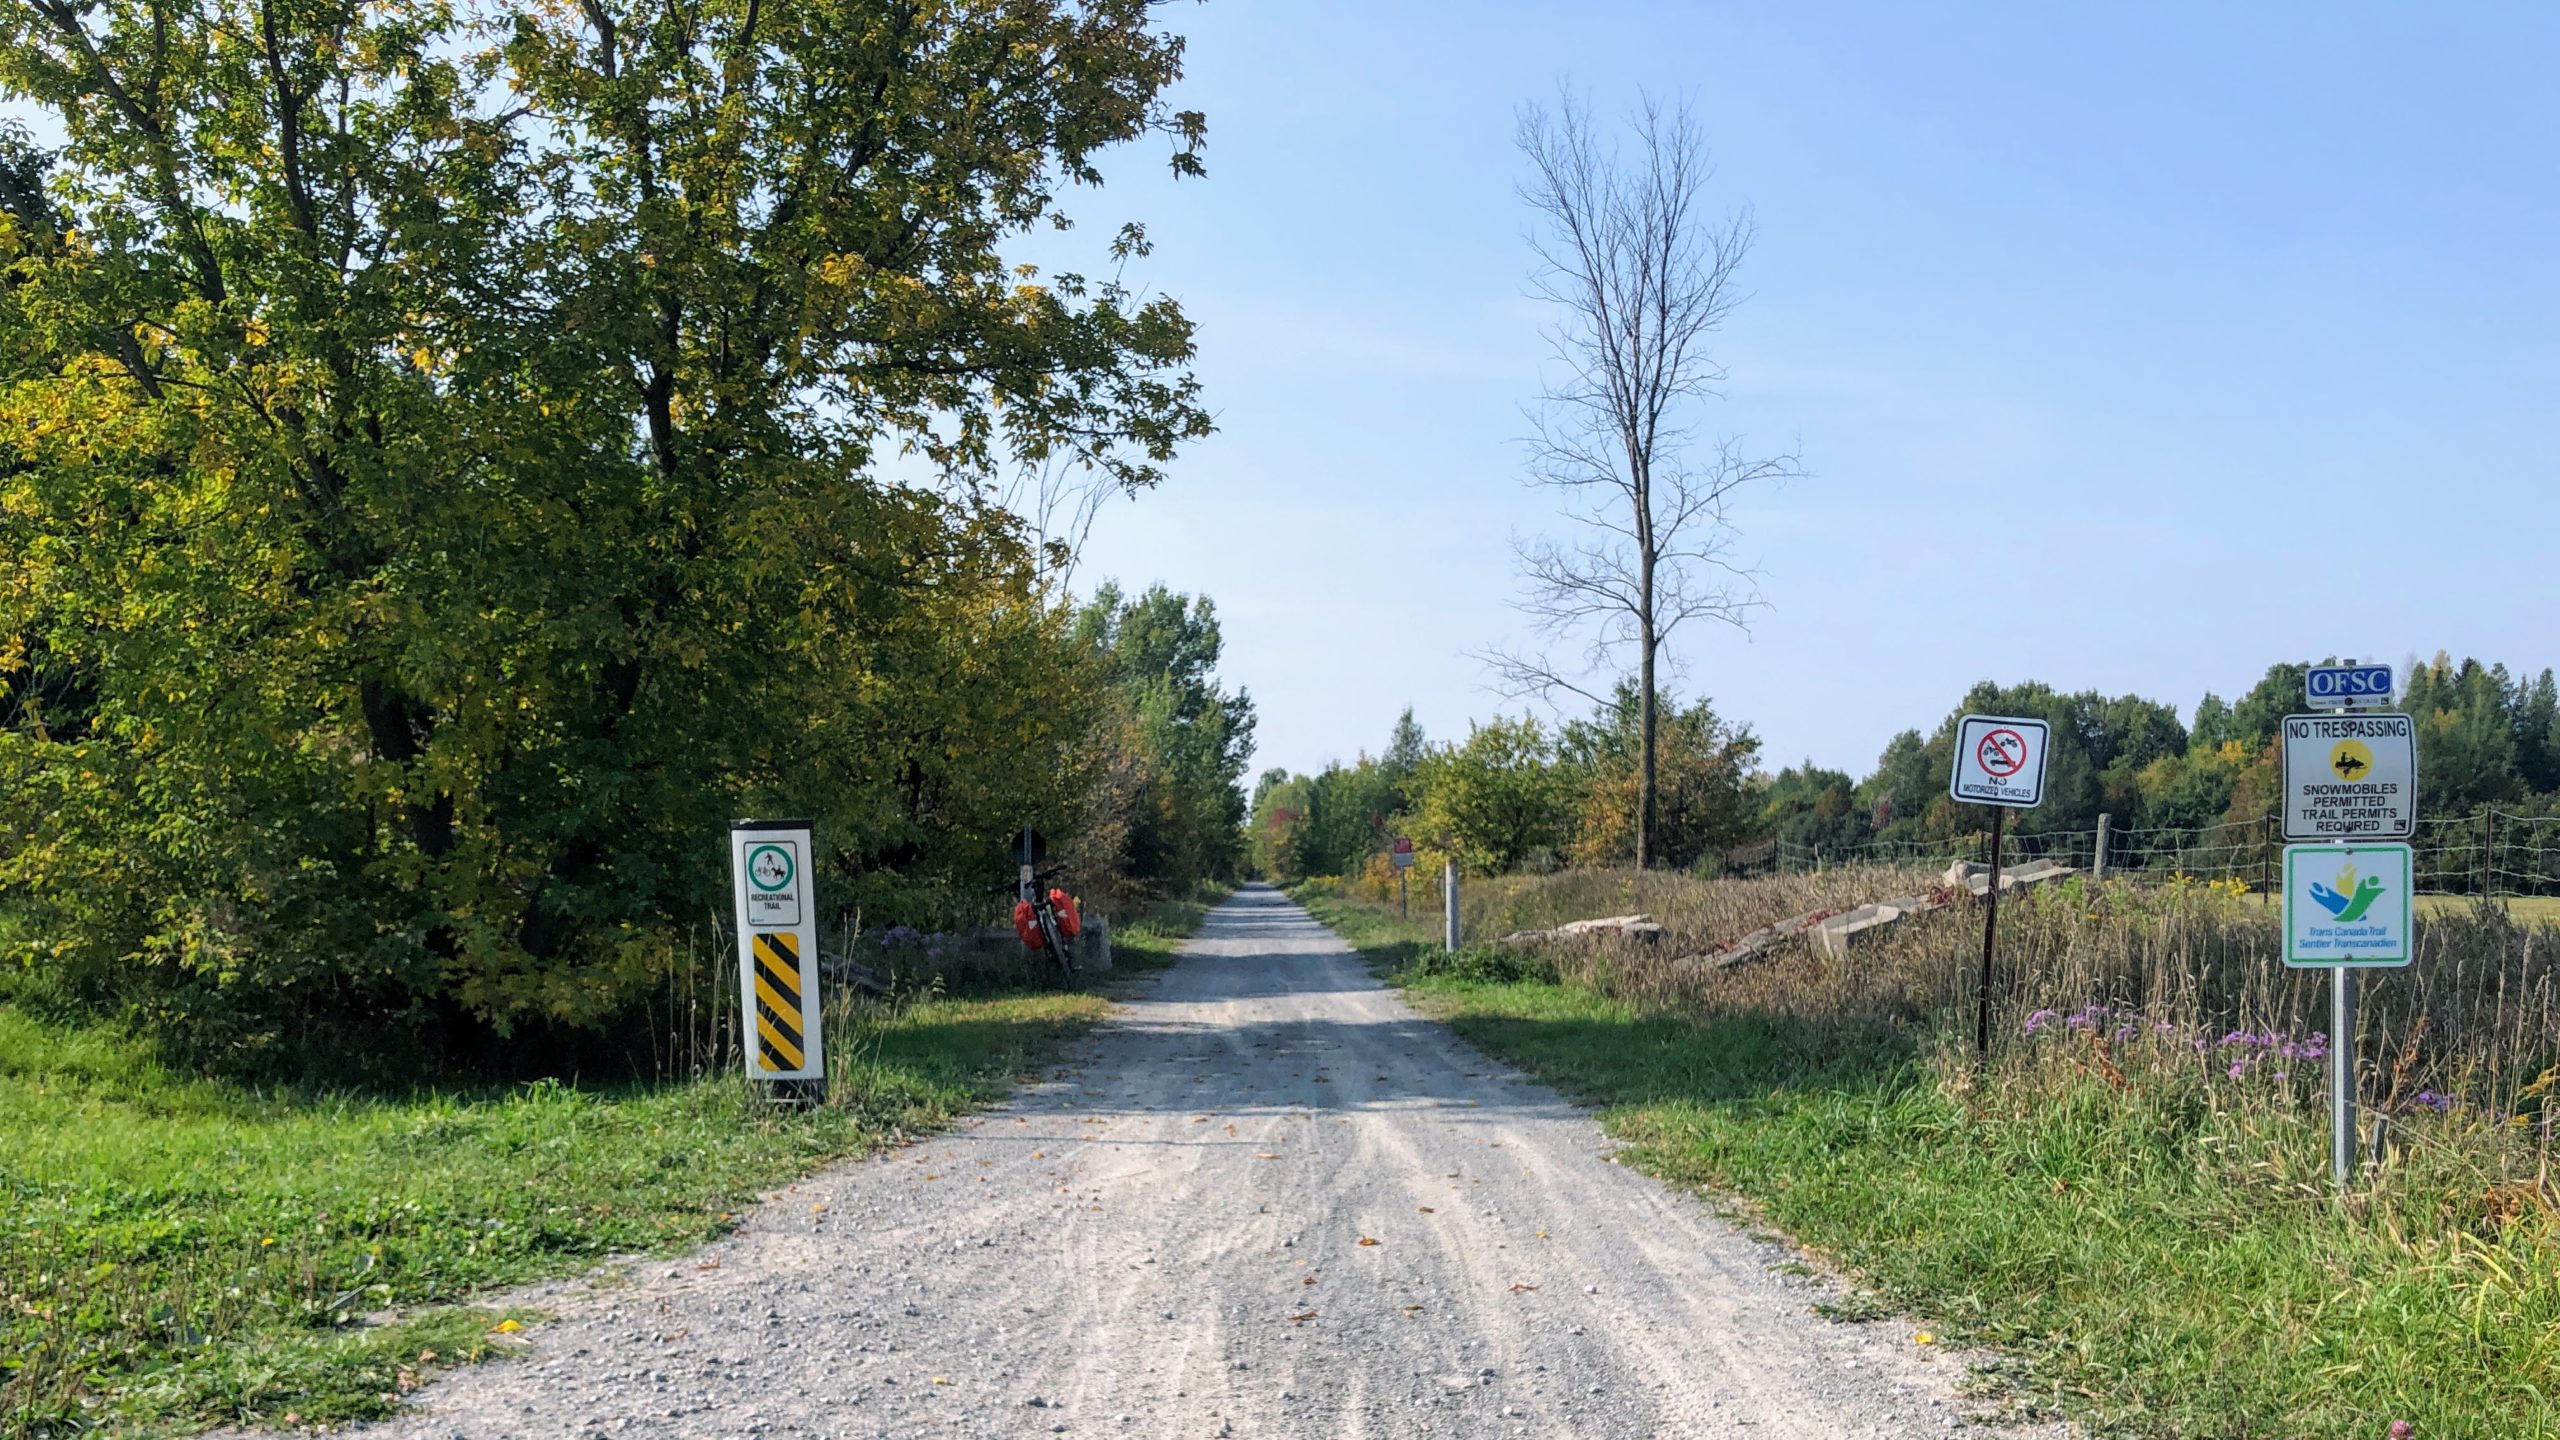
{"points": [[452, 461], [1518, 793]]}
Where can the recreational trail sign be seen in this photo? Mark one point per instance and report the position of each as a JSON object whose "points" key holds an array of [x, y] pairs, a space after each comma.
{"points": [[1999, 761], [778, 955], [2350, 777]]}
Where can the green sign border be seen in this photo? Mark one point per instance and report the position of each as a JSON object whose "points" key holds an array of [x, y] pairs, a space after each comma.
{"points": [[2408, 903], [779, 848]]}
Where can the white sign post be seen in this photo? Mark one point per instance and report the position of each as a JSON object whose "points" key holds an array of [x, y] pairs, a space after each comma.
{"points": [[2350, 777], [2000, 763], [778, 958]]}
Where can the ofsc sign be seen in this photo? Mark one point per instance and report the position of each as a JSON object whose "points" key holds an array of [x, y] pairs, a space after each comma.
{"points": [[2350, 777], [1999, 761], [2335, 687]]}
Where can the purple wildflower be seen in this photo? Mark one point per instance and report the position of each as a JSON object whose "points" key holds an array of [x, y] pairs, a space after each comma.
{"points": [[2038, 1021]]}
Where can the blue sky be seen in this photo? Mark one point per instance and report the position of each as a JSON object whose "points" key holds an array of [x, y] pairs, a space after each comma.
{"points": [[2127, 350]]}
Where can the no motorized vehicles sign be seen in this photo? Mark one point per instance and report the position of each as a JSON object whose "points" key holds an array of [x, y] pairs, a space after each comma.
{"points": [[1999, 761], [2350, 777]]}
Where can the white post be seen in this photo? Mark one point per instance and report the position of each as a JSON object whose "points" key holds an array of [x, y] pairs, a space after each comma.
{"points": [[1449, 905], [2342, 1075], [2098, 863]]}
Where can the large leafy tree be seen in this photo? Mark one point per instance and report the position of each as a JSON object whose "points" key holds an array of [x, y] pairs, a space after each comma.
{"points": [[1160, 650], [1497, 799], [1702, 780], [444, 470]]}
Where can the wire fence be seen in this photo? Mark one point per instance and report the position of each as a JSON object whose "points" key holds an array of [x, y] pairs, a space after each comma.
{"points": [[2491, 852]]}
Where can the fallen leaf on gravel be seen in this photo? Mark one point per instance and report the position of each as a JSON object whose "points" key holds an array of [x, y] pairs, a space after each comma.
{"points": [[1517, 1288], [1266, 1155], [713, 1264], [1924, 1338], [1231, 1128], [1365, 1240], [1035, 1154], [1413, 1309], [1302, 1317], [1425, 1209], [938, 1380], [933, 1177], [1306, 1279], [508, 1326], [817, 1205]]}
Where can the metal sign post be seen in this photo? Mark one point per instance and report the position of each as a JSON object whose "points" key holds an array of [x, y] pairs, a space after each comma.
{"points": [[778, 959], [2350, 780], [1401, 854], [1990, 928], [2342, 1076], [1999, 763]]}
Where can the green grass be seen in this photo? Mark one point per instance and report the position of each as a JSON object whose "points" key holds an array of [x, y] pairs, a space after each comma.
{"points": [[1152, 939], [2156, 1260], [176, 1253]]}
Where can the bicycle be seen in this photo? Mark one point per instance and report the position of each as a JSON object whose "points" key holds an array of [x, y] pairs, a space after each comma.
{"points": [[1048, 919]]}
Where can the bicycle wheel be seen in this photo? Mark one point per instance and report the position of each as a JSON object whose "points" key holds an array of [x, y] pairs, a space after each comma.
{"points": [[1057, 945]]}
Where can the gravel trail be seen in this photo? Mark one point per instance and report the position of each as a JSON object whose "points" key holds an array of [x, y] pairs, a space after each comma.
{"points": [[1266, 1200]]}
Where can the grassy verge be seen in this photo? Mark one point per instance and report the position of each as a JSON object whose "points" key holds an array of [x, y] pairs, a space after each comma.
{"points": [[1152, 938], [176, 1253], [2154, 1245]]}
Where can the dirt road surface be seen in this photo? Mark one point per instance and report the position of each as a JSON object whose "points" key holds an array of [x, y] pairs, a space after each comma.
{"points": [[1267, 1200]]}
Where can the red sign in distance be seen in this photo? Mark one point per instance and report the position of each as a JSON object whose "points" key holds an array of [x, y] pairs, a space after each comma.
{"points": [[2002, 752]]}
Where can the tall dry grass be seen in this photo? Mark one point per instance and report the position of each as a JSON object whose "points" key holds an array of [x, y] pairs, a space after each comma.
{"points": [[2176, 985]]}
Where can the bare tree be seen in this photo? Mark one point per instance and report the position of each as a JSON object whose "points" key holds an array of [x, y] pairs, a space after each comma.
{"points": [[1642, 277], [1057, 499]]}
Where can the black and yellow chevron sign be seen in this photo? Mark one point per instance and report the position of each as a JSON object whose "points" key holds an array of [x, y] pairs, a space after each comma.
{"points": [[779, 1047]]}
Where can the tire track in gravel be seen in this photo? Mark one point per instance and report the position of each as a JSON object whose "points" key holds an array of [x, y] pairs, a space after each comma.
{"points": [[1165, 1238]]}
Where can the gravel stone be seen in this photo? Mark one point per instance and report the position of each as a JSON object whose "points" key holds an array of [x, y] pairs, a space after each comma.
{"points": [[1252, 1119]]}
